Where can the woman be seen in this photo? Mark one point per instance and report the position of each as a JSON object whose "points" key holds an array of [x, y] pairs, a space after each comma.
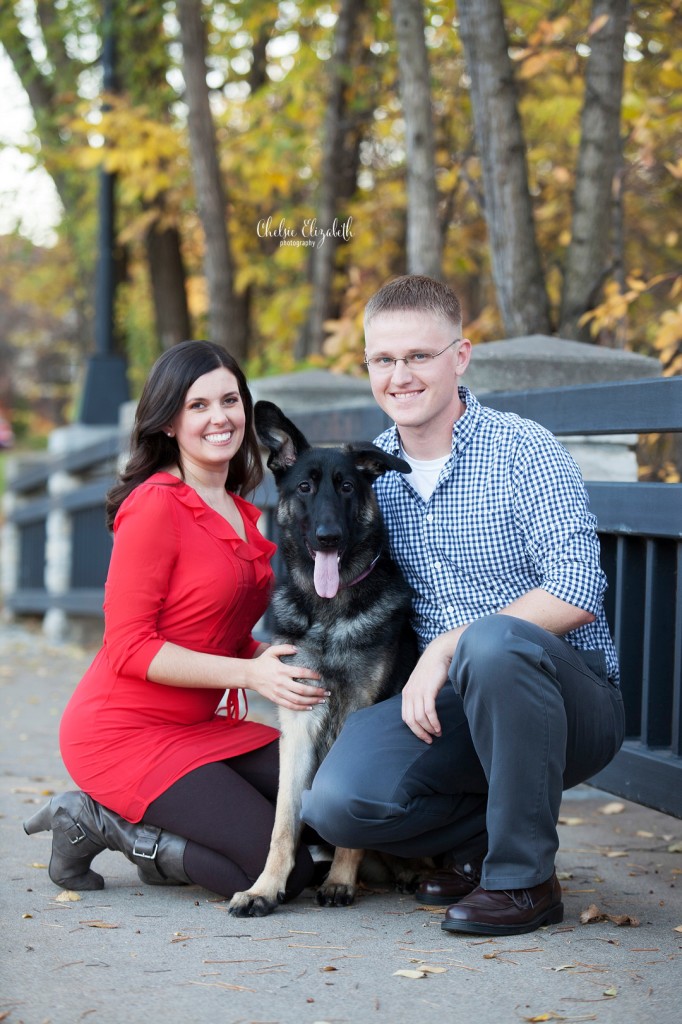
{"points": [[184, 793]]}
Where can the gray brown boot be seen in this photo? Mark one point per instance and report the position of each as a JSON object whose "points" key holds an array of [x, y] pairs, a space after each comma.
{"points": [[73, 849], [82, 828]]}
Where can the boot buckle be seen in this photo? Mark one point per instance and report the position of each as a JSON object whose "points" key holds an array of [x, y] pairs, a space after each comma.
{"points": [[145, 854], [146, 844], [75, 833]]}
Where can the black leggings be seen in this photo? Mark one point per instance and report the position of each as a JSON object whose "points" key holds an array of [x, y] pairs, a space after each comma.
{"points": [[226, 812]]}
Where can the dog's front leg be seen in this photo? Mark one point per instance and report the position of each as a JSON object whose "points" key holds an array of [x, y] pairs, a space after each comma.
{"points": [[296, 770], [338, 889]]}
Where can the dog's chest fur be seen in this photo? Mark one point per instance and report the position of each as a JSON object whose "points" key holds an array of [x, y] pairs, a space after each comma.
{"points": [[360, 647]]}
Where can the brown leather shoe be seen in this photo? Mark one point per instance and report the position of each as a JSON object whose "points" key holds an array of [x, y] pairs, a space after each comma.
{"points": [[448, 885], [508, 911]]}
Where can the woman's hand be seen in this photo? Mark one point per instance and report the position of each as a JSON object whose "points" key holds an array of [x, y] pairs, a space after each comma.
{"points": [[425, 683], [281, 682]]}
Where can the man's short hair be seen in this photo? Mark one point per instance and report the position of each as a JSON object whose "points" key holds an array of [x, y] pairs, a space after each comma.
{"points": [[416, 293]]}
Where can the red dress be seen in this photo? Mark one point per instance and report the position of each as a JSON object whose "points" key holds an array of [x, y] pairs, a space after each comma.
{"points": [[178, 573]]}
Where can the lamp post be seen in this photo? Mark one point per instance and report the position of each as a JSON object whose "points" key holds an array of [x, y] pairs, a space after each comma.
{"points": [[106, 383]]}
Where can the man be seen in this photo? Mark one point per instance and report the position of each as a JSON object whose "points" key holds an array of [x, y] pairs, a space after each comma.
{"points": [[515, 695]]}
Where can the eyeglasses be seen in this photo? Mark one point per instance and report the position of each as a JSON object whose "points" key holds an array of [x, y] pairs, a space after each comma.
{"points": [[386, 364]]}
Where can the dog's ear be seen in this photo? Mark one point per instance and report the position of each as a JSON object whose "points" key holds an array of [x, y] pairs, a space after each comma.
{"points": [[284, 441], [374, 462]]}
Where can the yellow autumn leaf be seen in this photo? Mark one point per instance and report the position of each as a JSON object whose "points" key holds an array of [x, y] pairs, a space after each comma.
{"points": [[68, 896], [535, 64], [407, 973], [597, 25], [613, 808]]}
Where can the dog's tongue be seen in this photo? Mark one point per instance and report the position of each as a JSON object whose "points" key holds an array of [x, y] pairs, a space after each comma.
{"points": [[326, 575]]}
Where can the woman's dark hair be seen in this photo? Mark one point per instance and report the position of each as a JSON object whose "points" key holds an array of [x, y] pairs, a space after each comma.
{"points": [[169, 380]]}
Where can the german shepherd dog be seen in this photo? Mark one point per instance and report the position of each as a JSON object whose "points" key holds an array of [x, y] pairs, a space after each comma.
{"points": [[346, 607]]}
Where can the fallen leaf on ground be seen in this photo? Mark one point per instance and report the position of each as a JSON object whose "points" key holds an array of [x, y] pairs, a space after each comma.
{"points": [[616, 853], [97, 924], [593, 914], [37, 864], [678, 928], [68, 896], [675, 847], [571, 821], [564, 876], [613, 808], [645, 835], [551, 1015], [611, 992], [406, 973]]}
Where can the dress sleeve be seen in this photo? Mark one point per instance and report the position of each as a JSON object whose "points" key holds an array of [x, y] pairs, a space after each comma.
{"points": [[146, 543]]}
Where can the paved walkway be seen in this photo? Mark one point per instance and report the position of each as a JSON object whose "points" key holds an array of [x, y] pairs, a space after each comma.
{"points": [[138, 954]]}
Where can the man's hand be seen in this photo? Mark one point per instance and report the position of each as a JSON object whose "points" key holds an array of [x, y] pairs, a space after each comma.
{"points": [[425, 683]]}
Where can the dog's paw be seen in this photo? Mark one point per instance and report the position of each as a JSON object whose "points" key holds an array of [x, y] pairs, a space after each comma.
{"points": [[333, 895], [407, 884], [248, 904]]}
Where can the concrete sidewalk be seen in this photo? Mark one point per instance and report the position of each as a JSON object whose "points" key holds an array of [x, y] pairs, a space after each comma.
{"points": [[137, 954]]}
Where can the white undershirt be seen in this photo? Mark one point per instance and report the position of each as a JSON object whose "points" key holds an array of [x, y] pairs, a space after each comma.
{"points": [[425, 473]]}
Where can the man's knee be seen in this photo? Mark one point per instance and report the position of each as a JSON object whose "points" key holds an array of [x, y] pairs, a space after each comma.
{"points": [[490, 652], [333, 810]]}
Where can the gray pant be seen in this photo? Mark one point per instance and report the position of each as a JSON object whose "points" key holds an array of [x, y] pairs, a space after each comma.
{"points": [[526, 716]]}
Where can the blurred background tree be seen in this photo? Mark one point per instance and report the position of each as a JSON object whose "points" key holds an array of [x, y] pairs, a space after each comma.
{"points": [[276, 162]]}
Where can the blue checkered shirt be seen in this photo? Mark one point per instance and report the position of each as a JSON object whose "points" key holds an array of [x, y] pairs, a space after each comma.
{"points": [[509, 514]]}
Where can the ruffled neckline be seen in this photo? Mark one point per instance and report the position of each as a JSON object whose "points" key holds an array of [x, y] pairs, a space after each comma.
{"points": [[255, 548]]}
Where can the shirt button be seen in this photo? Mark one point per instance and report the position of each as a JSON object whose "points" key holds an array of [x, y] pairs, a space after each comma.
{"points": [[449, 609], [436, 565], [429, 518]]}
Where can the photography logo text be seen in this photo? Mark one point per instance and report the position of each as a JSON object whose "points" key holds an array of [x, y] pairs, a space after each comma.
{"points": [[308, 234]]}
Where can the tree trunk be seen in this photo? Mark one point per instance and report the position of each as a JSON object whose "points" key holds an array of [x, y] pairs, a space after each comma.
{"points": [[598, 164], [143, 67], [424, 240], [517, 270], [335, 184], [167, 275], [226, 326]]}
